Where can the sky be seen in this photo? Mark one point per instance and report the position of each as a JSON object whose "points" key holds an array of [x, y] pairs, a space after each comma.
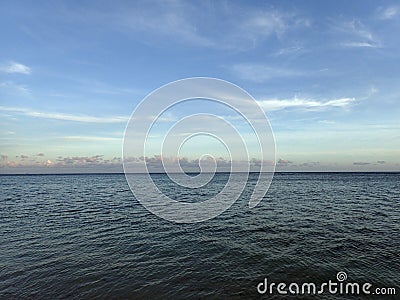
{"points": [[326, 74]]}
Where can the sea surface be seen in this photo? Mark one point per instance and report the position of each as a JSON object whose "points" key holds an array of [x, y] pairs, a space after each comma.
{"points": [[87, 237]]}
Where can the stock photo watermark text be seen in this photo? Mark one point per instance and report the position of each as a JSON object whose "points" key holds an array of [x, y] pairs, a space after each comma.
{"points": [[340, 286]]}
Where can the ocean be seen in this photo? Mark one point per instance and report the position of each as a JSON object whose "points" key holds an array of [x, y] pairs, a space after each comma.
{"points": [[86, 237]]}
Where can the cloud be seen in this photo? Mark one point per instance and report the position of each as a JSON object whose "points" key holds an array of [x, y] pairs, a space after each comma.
{"points": [[288, 51], [276, 104], [98, 162], [262, 24], [328, 122], [361, 163], [7, 132], [165, 21], [65, 117], [12, 164], [261, 73], [91, 138], [358, 28], [194, 23], [156, 163], [13, 89], [218, 25], [357, 35], [73, 164], [79, 160], [283, 162], [311, 164], [14, 67], [388, 12], [246, 27], [360, 45]]}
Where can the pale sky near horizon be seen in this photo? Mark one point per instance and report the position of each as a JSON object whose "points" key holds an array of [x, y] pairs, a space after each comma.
{"points": [[325, 73]]}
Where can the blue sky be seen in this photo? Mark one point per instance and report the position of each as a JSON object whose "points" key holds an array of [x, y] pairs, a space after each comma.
{"points": [[325, 73]]}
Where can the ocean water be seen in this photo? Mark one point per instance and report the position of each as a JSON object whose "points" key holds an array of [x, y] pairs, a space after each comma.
{"points": [[86, 236]]}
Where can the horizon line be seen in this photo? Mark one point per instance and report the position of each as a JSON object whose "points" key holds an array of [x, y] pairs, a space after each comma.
{"points": [[151, 173]]}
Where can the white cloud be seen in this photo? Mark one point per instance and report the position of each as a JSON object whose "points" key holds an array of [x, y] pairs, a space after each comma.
{"points": [[91, 138], [65, 117], [263, 24], [211, 24], [260, 73], [358, 28], [288, 51], [248, 27], [388, 12], [170, 22], [11, 88], [356, 35], [7, 132], [329, 122], [276, 104], [80, 160], [14, 67], [360, 45], [219, 25]]}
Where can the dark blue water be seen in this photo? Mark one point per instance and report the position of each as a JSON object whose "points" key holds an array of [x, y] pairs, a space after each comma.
{"points": [[85, 236]]}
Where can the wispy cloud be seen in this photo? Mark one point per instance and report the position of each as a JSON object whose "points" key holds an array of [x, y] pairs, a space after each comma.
{"points": [[289, 51], [356, 34], [328, 122], [262, 24], [260, 73], [7, 132], [277, 104], [65, 117], [165, 21], [239, 27], [91, 138], [257, 25], [388, 13], [360, 45], [12, 89], [14, 67], [118, 91]]}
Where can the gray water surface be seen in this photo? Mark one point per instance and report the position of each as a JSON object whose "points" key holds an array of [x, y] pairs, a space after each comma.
{"points": [[85, 236]]}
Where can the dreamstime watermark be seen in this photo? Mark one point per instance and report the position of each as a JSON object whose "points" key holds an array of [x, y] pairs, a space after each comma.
{"points": [[151, 114], [340, 286]]}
